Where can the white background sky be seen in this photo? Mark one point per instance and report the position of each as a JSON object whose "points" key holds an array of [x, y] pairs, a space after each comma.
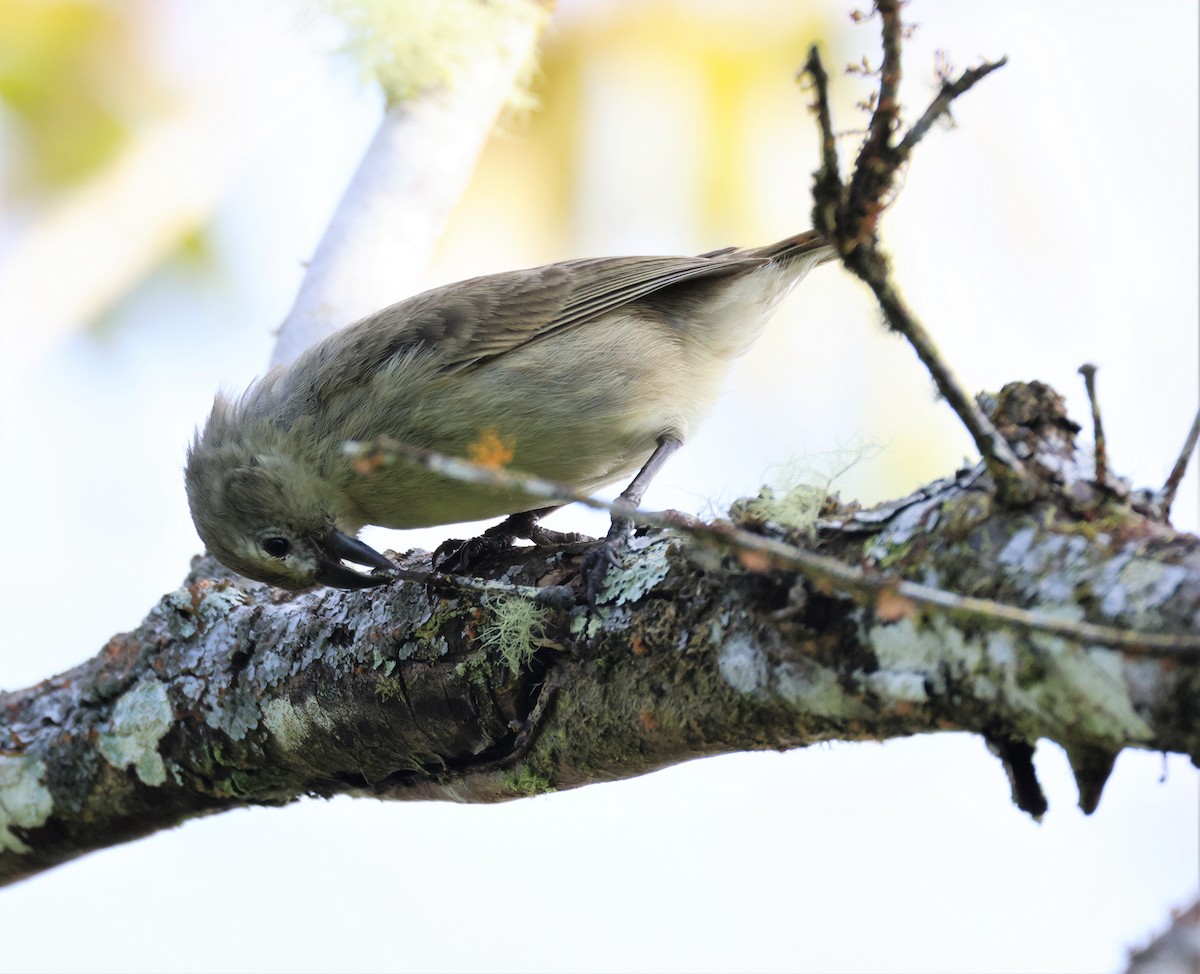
{"points": [[1056, 225]]}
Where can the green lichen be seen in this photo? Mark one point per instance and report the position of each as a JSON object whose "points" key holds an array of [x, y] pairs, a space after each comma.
{"points": [[743, 664], [636, 576], [889, 555], [795, 508], [432, 627], [476, 671], [412, 46], [524, 780], [24, 801], [1138, 590], [1071, 689], [139, 720], [516, 630], [1084, 691], [190, 612], [389, 688], [291, 725], [804, 683], [586, 625], [181, 617], [799, 491]]}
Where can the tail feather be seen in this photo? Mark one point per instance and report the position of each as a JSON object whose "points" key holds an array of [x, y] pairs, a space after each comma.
{"points": [[806, 244]]}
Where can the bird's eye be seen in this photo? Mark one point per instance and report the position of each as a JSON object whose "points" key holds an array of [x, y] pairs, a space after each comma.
{"points": [[276, 547]]}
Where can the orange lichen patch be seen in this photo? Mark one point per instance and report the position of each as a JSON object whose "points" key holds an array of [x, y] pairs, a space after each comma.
{"points": [[639, 647], [491, 449], [649, 721], [904, 708], [368, 462], [755, 561], [891, 606], [198, 592], [121, 647]]}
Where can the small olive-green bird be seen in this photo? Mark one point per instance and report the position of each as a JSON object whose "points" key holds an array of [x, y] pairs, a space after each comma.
{"points": [[585, 371]]}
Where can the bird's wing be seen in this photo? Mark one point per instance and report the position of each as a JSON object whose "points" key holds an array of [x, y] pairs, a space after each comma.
{"points": [[475, 321]]}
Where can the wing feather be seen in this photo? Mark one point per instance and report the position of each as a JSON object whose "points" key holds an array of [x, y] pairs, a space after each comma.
{"points": [[530, 306], [470, 323]]}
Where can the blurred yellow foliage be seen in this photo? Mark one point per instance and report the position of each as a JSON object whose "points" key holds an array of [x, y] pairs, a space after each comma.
{"points": [[688, 101], [68, 81]]}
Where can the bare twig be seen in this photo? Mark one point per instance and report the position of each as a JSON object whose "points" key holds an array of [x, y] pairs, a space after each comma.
{"points": [[827, 179], [1088, 371], [1171, 487], [763, 553], [877, 164], [941, 104], [849, 215], [886, 116], [546, 595]]}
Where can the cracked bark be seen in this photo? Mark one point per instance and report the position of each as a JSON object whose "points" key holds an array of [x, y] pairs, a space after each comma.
{"points": [[232, 693]]}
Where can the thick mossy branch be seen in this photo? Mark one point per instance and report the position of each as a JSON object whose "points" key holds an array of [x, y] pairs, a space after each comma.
{"points": [[232, 693]]}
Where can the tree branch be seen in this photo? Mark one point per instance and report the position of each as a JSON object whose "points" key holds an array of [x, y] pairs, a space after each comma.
{"points": [[232, 693], [762, 553]]}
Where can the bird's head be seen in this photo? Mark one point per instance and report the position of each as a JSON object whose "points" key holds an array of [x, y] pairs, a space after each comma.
{"points": [[266, 513]]}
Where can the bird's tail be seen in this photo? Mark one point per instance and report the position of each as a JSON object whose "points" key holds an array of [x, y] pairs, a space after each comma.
{"points": [[737, 312], [808, 246]]}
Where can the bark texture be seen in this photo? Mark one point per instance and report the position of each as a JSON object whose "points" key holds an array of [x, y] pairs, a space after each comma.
{"points": [[231, 693]]}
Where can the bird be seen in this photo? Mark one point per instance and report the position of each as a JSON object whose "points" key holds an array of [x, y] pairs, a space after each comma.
{"points": [[583, 372]]}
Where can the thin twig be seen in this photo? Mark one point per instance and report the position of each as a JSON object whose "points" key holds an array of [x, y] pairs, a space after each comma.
{"points": [[1088, 371], [1171, 487], [886, 116], [549, 595], [941, 104], [1012, 479], [876, 167], [849, 219], [828, 179], [763, 554]]}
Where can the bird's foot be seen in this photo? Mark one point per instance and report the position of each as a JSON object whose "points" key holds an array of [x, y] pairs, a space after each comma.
{"points": [[456, 556], [598, 559]]}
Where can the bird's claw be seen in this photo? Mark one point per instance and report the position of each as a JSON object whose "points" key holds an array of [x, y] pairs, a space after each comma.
{"points": [[546, 538], [455, 556], [598, 559]]}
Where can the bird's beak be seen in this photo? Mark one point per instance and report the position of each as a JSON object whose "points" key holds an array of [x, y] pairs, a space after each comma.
{"points": [[336, 547]]}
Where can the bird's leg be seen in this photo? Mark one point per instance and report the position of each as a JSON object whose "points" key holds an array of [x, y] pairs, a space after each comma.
{"points": [[456, 555], [600, 558]]}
